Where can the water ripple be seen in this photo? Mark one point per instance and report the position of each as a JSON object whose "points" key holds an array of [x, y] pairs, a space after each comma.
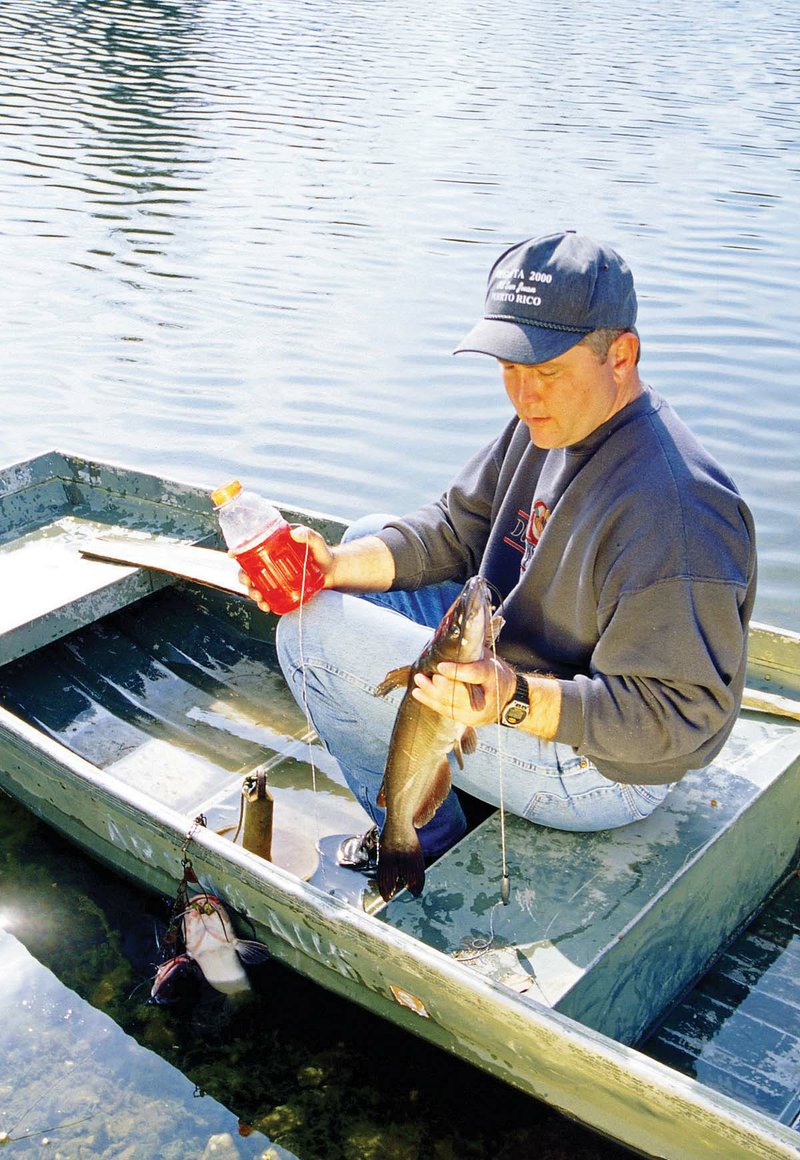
{"points": [[251, 232]]}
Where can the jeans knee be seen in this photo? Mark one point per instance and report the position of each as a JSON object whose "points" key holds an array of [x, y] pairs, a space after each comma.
{"points": [[296, 630], [286, 642], [366, 525]]}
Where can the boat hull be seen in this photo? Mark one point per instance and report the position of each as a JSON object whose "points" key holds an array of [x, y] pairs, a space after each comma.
{"points": [[612, 1088], [128, 786]]}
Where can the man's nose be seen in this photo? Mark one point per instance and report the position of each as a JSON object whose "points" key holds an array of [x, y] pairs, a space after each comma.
{"points": [[527, 387]]}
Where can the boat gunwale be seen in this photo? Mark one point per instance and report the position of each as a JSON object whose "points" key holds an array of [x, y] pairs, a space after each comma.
{"points": [[628, 1068]]}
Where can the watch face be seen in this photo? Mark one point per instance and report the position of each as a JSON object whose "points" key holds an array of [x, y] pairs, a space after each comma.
{"points": [[518, 707], [514, 713]]}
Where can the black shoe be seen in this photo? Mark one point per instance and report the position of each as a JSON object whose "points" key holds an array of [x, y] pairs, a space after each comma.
{"points": [[360, 852]]}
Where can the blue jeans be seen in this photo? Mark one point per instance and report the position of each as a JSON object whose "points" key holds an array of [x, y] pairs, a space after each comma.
{"points": [[336, 650]]}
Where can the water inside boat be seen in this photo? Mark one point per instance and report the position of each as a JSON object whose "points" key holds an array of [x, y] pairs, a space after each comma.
{"points": [[176, 700]]}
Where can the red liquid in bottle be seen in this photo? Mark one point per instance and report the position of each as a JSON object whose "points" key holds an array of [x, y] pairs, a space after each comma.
{"points": [[275, 566]]}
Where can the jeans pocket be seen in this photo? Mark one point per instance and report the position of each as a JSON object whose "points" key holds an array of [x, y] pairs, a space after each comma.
{"points": [[643, 799]]}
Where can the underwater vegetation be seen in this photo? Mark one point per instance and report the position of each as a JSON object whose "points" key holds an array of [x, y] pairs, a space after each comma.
{"points": [[286, 1070]]}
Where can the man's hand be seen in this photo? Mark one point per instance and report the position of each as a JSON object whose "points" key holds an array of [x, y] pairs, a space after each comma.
{"points": [[361, 565], [493, 682], [472, 694], [318, 550]]}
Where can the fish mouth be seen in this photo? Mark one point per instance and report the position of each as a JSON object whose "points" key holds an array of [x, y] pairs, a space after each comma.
{"points": [[462, 631]]}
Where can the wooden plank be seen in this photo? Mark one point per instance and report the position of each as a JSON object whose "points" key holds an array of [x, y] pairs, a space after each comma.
{"points": [[203, 565], [773, 703]]}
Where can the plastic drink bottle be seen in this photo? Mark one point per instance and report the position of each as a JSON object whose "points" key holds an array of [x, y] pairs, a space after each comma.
{"points": [[283, 571]]}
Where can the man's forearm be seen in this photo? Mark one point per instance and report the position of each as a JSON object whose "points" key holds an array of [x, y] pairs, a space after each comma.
{"points": [[545, 707], [362, 565]]}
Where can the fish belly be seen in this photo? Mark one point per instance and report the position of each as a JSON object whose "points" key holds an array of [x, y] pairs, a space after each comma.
{"points": [[416, 782], [223, 970]]}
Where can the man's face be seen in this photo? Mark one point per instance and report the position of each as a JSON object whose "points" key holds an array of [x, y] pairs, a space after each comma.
{"points": [[564, 400]]}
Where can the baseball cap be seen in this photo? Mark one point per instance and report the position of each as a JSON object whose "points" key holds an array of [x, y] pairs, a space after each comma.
{"points": [[545, 294]]}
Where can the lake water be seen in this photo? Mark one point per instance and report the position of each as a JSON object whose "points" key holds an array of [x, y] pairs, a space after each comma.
{"points": [[241, 237]]}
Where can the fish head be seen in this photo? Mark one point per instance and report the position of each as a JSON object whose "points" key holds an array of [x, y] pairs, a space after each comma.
{"points": [[205, 924], [463, 630], [176, 981]]}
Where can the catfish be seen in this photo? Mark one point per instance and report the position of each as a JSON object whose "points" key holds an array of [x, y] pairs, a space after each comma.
{"points": [[416, 778]]}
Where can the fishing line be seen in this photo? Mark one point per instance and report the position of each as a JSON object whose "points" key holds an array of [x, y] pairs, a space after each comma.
{"points": [[7, 1138], [310, 729], [505, 880], [505, 884], [477, 947]]}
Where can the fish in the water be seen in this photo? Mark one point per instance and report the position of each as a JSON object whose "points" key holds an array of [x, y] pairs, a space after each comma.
{"points": [[417, 776], [178, 980], [211, 944]]}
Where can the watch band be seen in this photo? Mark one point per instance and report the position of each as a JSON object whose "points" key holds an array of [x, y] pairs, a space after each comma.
{"points": [[519, 706]]}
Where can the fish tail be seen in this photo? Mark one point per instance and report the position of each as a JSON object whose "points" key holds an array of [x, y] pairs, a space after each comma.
{"points": [[399, 867]]}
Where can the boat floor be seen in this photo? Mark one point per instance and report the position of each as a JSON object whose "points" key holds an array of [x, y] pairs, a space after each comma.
{"points": [[180, 703]]}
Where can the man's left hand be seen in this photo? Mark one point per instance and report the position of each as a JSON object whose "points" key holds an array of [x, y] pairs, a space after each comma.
{"points": [[491, 680]]}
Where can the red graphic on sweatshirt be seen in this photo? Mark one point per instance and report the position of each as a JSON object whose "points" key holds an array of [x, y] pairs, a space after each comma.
{"points": [[536, 525]]}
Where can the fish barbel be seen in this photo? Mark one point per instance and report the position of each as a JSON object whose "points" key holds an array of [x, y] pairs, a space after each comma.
{"points": [[416, 779]]}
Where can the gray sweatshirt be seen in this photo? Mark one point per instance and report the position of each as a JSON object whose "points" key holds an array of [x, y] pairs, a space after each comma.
{"points": [[626, 564]]}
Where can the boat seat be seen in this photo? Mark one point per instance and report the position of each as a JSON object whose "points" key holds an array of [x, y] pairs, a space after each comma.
{"points": [[49, 508], [612, 927]]}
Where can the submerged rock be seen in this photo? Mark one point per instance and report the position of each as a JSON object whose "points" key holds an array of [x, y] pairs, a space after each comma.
{"points": [[221, 1147]]}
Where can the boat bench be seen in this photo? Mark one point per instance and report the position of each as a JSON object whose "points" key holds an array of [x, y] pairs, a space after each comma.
{"points": [[52, 505], [611, 928]]}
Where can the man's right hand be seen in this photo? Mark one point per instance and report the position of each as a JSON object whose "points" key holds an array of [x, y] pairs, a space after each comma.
{"points": [[360, 565], [318, 549]]}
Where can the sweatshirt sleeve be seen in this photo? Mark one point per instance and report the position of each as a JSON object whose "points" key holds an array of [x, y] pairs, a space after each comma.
{"points": [[665, 681], [445, 540]]}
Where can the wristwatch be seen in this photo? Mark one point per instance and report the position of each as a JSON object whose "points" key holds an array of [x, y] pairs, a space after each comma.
{"points": [[519, 706]]}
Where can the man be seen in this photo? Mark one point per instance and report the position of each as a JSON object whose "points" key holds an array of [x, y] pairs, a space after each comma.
{"points": [[623, 554]]}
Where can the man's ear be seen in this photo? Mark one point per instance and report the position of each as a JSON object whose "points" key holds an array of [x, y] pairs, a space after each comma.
{"points": [[623, 354]]}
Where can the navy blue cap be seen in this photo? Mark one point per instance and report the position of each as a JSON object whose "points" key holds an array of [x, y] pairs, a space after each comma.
{"points": [[544, 295]]}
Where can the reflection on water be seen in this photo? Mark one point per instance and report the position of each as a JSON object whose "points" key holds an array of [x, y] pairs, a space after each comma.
{"points": [[72, 1074], [90, 1090], [243, 236], [84, 1056]]}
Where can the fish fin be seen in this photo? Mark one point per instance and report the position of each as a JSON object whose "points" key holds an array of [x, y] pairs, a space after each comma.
{"points": [[251, 952], [381, 798], [394, 680], [469, 740], [477, 698], [401, 867], [494, 628], [439, 789]]}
